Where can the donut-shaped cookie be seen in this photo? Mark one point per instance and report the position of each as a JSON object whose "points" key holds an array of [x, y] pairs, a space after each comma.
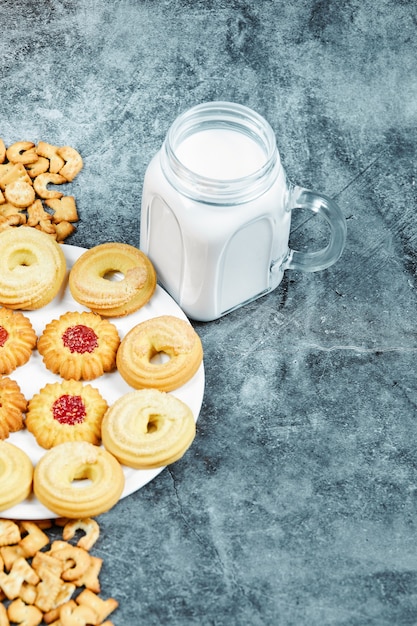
{"points": [[78, 480], [93, 279], [32, 268], [148, 428], [163, 352], [17, 340], [66, 411], [79, 346], [13, 405], [16, 473]]}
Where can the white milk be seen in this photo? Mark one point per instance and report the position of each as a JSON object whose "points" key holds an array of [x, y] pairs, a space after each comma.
{"points": [[211, 259], [213, 252], [222, 154]]}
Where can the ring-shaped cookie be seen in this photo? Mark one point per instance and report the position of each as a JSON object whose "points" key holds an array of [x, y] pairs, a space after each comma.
{"points": [[93, 279], [32, 268], [78, 480], [148, 428], [16, 474], [163, 352]]}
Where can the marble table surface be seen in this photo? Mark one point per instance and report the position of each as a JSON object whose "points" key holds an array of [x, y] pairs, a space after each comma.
{"points": [[296, 503]]}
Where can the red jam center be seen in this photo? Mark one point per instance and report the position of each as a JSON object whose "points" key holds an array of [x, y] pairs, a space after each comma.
{"points": [[69, 410], [4, 335], [80, 339]]}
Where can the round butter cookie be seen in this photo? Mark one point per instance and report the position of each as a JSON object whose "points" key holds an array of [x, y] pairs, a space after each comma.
{"points": [[79, 346], [163, 353], [16, 474], [66, 411], [78, 480], [93, 279], [148, 428], [32, 268], [13, 405], [17, 340]]}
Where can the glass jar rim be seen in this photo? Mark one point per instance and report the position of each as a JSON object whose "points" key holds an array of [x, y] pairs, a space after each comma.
{"points": [[220, 114]]}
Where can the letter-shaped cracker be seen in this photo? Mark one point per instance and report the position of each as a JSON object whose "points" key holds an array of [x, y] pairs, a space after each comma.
{"points": [[88, 525], [20, 613], [101, 607], [38, 167], [9, 555], [10, 172], [64, 208], [72, 614], [34, 540], [11, 583], [73, 162], [22, 152], [38, 216], [76, 561], [20, 193], [9, 533], [50, 152], [40, 184], [90, 578]]}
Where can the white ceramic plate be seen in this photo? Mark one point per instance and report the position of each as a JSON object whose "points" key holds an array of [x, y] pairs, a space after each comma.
{"points": [[32, 376]]}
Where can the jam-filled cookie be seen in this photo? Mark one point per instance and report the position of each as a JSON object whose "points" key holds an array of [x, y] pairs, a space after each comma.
{"points": [[66, 411], [17, 340], [79, 346]]}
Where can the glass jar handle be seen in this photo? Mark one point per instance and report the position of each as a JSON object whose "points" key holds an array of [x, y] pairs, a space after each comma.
{"points": [[328, 209]]}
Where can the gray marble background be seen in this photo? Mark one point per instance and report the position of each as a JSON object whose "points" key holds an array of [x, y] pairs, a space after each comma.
{"points": [[296, 504]]}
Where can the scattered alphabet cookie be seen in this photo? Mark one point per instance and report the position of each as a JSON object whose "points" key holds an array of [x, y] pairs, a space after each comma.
{"points": [[29, 175], [49, 581]]}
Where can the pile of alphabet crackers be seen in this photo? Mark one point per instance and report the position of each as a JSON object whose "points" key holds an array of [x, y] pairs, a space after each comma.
{"points": [[30, 176], [55, 582]]}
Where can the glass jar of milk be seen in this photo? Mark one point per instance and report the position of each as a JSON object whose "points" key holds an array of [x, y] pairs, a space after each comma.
{"points": [[216, 212]]}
